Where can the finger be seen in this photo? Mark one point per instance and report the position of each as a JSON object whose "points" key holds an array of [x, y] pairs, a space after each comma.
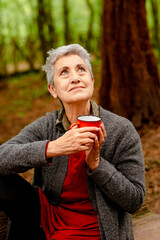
{"points": [[103, 130], [101, 137], [87, 141], [89, 145], [96, 144], [88, 129], [85, 147], [75, 126], [88, 135]]}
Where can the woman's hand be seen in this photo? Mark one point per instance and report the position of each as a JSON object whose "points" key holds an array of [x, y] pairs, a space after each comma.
{"points": [[74, 140], [93, 153]]}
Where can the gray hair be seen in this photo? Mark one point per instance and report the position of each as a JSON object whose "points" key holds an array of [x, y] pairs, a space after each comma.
{"points": [[55, 54]]}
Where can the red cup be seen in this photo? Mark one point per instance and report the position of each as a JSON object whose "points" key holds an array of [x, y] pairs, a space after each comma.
{"points": [[87, 121]]}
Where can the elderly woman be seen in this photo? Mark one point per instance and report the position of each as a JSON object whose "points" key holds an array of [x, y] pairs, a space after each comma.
{"points": [[86, 185]]}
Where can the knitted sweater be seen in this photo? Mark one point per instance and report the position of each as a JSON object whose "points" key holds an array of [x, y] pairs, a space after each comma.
{"points": [[116, 187]]}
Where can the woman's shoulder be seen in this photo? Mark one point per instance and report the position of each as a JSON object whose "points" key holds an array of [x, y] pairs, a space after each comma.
{"points": [[42, 123], [115, 122], [119, 130], [52, 115], [110, 116]]}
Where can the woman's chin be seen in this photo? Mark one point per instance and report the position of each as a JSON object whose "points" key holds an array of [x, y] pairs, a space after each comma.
{"points": [[79, 99]]}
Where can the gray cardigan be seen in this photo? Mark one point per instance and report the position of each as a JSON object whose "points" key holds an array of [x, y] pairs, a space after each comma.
{"points": [[116, 187]]}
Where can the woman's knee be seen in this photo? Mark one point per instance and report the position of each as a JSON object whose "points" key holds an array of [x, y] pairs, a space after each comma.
{"points": [[11, 186], [17, 195]]}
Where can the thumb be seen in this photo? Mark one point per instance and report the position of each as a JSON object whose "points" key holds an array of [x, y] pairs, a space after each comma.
{"points": [[73, 126]]}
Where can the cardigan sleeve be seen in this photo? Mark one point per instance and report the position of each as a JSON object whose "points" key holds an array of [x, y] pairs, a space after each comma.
{"points": [[26, 150], [122, 177]]}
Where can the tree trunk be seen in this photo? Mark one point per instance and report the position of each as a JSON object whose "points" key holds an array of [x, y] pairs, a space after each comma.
{"points": [[130, 83], [90, 26], [41, 26], [15, 51], [45, 26], [66, 22], [50, 23], [3, 62]]}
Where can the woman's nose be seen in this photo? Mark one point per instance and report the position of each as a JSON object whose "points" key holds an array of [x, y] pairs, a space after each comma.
{"points": [[75, 80], [75, 77]]}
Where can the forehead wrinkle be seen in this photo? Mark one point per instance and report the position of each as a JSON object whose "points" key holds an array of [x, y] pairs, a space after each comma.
{"points": [[80, 62]]}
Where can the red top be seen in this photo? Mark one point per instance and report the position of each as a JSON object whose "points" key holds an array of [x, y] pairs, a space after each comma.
{"points": [[74, 217]]}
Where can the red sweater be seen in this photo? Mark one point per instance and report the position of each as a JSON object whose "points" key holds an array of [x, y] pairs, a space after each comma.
{"points": [[74, 217]]}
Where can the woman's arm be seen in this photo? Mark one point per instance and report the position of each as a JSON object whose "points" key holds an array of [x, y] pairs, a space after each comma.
{"points": [[122, 178], [26, 150]]}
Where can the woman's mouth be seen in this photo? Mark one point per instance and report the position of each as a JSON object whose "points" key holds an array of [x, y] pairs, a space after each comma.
{"points": [[75, 88]]}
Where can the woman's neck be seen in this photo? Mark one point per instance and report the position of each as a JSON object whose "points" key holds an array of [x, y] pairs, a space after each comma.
{"points": [[74, 110]]}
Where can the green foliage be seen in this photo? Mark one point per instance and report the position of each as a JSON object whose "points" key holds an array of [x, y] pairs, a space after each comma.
{"points": [[19, 39], [150, 12], [18, 18], [153, 19]]}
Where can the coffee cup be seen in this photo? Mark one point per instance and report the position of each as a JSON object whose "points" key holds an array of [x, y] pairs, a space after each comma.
{"points": [[87, 121]]}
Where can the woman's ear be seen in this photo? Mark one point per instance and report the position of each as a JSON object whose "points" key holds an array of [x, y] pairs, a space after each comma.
{"points": [[52, 90]]}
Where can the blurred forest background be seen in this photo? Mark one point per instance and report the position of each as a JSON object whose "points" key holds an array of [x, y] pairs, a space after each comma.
{"points": [[30, 28]]}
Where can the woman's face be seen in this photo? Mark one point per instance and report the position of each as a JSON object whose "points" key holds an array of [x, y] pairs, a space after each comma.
{"points": [[72, 80]]}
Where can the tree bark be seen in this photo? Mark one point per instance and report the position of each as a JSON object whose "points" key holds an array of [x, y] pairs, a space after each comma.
{"points": [[45, 26], [50, 24], [90, 34], [67, 36], [130, 82], [41, 23]]}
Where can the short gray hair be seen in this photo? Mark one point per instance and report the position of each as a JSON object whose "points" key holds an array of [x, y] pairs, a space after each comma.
{"points": [[55, 54]]}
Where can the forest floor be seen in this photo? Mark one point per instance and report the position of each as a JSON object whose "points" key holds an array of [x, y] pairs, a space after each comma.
{"points": [[147, 227], [19, 106]]}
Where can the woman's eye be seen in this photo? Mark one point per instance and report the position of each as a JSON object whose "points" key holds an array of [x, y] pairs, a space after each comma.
{"points": [[64, 72], [81, 69]]}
